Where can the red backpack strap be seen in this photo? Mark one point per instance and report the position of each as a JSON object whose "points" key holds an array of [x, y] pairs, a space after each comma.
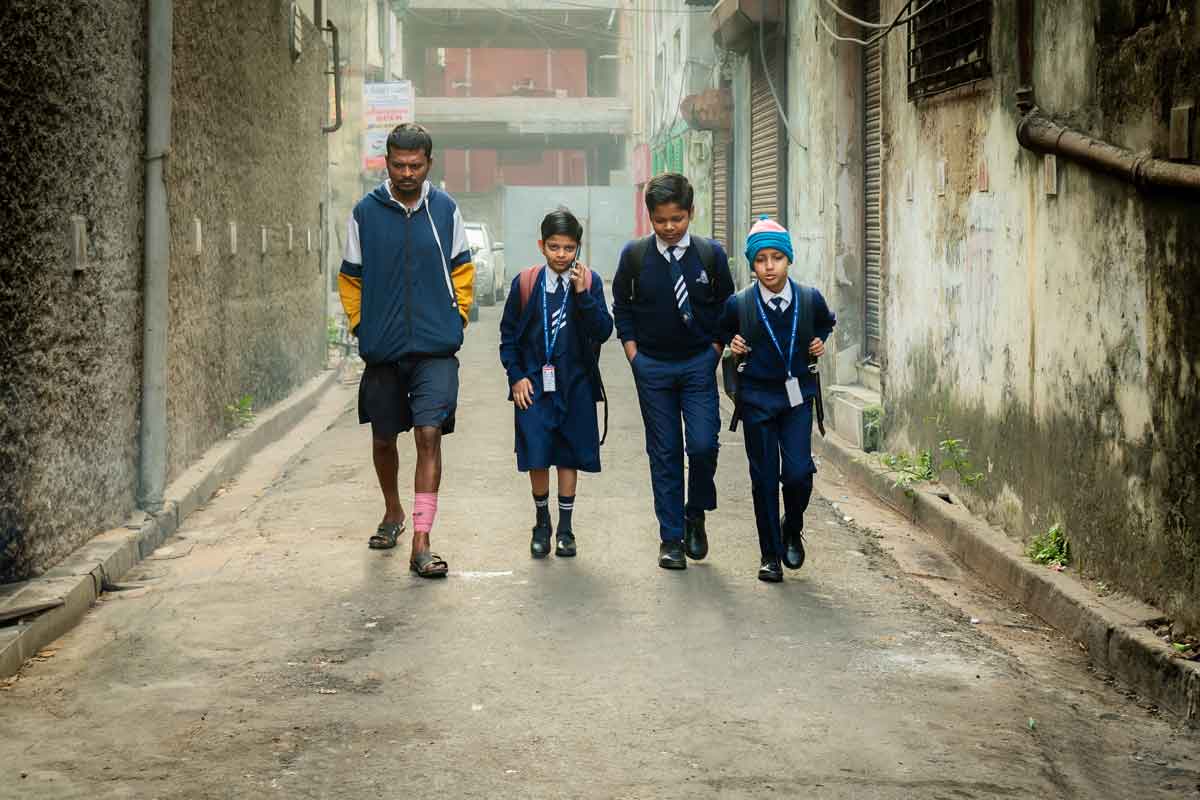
{"points": [[587, 280], [529, 277]]}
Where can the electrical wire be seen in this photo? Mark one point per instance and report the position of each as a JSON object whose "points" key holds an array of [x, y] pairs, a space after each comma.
{"points": [[762, 54], [842, 12], [879, 36]]}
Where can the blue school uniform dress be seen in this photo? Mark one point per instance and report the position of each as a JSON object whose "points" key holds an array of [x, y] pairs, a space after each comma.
{"points": [[560, 428], [673, 311], [778, 434]]}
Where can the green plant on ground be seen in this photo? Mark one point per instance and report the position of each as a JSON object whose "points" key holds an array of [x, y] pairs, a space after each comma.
{"points": [[872, 417], [909, 469], [1051, 548], [331, 331], [240, 413], [955, 458]]}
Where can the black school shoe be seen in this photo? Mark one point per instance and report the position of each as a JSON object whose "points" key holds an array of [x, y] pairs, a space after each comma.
{"points": [[793, 544], [770, 571], [539, 545], [565, 544], [670, 556], [695, 539]]}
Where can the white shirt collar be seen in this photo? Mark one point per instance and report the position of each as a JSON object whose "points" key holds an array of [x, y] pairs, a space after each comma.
{"points": [[682, 244], [768, 295], [425, 187], [553, 279]]}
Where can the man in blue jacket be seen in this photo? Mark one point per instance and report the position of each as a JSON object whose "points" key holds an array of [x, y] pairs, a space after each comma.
{"points": [[406, 285], [668, 294]]}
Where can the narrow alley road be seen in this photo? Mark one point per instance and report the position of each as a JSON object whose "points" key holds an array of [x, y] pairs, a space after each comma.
{"points": [[266, 652]]}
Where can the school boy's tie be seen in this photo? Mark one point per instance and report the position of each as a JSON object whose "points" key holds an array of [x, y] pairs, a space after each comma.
{"points": [[681, 291]]}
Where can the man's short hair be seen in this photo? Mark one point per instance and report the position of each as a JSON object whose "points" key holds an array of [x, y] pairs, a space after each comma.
{"points": [[670, 187], [410, 136]]}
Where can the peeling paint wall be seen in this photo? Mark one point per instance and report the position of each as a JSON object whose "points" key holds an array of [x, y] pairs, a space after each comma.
{"points": [[1059, 335]]}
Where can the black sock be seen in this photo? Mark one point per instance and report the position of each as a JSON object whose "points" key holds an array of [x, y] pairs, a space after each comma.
{"points": [[542, 503], [566, 506]]}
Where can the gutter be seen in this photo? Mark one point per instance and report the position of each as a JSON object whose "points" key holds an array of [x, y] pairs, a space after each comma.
{"points": [[156, 265]]}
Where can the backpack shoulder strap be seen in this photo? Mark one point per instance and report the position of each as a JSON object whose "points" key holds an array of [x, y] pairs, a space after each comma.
{"points": [[529, 277], [635, 256], [588, 277], [749, 324], [805, 329], [708, 257]]}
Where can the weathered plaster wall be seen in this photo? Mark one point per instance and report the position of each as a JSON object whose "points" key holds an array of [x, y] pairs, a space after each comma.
{"points": [[1058, 335], [825, 158], [246, 147], [71, 88]]}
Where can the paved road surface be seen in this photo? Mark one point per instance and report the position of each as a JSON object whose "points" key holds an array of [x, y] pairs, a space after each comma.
{"points": [[267, 653]]}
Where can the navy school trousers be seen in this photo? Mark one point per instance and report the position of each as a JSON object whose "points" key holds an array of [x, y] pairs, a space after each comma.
{"points": [[680, 409]]}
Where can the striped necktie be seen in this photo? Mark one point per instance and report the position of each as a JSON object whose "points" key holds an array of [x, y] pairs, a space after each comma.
{"points": [[558, 303], [681, 291]]}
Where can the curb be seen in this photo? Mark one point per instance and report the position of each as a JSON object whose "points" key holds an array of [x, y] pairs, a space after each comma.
{"points": [[1113, 631], [67, 591]]}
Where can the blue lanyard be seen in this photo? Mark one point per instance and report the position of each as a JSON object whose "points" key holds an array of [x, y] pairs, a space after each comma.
{"points": [[787, 359], [551, 341]]}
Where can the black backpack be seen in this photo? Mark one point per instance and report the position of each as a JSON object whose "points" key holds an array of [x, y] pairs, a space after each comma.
{"points": [[750, 326], [635, 255]]}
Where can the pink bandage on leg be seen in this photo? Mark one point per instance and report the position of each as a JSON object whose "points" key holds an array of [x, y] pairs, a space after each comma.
{"points": [[424, 511]]}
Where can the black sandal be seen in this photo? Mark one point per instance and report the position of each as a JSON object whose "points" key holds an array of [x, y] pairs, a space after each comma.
{"points": [[386, 535], [429, 565]]}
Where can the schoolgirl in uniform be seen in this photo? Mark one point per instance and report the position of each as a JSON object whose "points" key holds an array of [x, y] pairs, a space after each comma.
{"points": [[779, 328], [554, 322]]}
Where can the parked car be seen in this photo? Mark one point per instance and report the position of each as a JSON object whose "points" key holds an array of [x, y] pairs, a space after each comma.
{"points": [[491, 273]]}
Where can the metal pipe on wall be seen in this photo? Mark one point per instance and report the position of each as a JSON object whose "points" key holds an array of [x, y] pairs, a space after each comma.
{"points": [[156, 257], [1037, 132]]}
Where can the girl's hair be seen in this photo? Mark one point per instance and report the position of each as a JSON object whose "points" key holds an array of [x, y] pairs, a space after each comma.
{"points": [[563, 223]]}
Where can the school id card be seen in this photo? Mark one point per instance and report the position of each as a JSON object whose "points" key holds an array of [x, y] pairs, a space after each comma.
{"points": [[549, 383], [795, 395]]}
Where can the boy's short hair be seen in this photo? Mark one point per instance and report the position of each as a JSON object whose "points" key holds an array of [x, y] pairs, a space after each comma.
{"points": [[410, 136], [670, 187], [562, 222]]}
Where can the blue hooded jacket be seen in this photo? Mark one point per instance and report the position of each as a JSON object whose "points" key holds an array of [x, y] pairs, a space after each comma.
{"points": [[406, 279]]}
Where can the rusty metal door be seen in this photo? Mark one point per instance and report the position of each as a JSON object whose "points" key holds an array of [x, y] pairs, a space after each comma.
{"points": [[872, 184], [768, 161], [720, 187]]}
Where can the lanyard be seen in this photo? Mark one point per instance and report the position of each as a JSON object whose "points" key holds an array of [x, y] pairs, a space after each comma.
{"points": [[551, 341], [787, 359]]}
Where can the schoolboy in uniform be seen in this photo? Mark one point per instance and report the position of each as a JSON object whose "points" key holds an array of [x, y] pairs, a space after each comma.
{"points": [[554, 322], [668, 293], [779, 328]]}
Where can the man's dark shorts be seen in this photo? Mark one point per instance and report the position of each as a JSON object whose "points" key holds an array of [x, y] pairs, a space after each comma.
{"points": [[415, 392]]}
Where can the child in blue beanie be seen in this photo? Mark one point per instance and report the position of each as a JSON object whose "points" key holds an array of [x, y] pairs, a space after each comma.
{"points": [[778, 328]]}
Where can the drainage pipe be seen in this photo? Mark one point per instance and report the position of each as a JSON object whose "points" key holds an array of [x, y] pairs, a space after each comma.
{"points": [[156, 257], [1040, 134]]}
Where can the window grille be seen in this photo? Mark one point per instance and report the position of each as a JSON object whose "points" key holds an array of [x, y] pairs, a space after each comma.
{"points": [[948, 46]]}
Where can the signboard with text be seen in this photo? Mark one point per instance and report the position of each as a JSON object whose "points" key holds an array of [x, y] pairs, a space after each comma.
{"points": [[385, 105]]}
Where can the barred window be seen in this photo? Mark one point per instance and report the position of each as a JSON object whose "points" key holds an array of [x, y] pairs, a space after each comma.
{"points": [[948, 45]]}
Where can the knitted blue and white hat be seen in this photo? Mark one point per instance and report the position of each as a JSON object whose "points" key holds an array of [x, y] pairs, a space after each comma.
{"points": [[768, 233]]}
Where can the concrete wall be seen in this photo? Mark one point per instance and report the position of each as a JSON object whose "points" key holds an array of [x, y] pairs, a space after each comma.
{"points": [[70, 343], [246, 147], [825, 177], [1058, 335]]}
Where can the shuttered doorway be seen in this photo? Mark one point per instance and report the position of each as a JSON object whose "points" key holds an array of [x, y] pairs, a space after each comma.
{"points": [[872, 183], [768, 162], [720, 190]]}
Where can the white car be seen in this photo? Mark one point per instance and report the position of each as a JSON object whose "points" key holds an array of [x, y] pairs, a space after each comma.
{"points": [[491, 273]]}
